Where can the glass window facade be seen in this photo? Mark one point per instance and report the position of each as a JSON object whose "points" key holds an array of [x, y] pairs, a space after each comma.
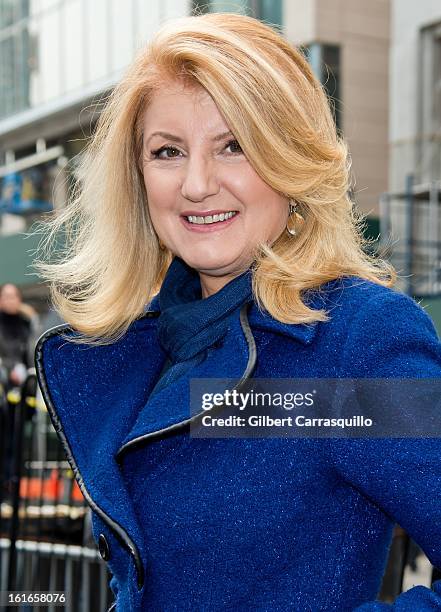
{"points": [[266, 10], [55, 49], [430, 103], [325, 62], [15, 48]]}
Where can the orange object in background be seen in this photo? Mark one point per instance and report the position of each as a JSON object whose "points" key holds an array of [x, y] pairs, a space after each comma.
{"points": [[50, 489], [76, 493]]}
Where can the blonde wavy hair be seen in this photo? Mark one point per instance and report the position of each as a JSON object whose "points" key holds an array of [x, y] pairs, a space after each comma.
{"points": [[112, 264]]}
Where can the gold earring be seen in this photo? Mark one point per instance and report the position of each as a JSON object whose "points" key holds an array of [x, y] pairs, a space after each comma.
{"points": [[161, 245], [292, 218]]}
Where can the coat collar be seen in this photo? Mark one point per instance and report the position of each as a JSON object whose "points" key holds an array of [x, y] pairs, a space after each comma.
{"points": [[263, 321], [168, 409], [326, 296]]}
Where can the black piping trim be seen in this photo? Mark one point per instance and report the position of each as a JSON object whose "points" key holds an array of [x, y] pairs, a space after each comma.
{"points": [[114, 525], [251, 364]]}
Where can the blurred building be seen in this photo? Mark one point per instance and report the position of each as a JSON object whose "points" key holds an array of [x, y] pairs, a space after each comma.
{"points": [[411, 208], [347, 42]]}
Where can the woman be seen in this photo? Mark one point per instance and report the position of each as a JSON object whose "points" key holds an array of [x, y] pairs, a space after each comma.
{"points": [[216, 176]]}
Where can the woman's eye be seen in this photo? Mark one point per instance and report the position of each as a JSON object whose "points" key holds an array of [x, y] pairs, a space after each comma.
{"points": [[234, 144], [156, 154]]}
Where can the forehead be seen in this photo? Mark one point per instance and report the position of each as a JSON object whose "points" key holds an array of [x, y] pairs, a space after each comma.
{"points": [[9, 291], [180, 87], [182, 102]]}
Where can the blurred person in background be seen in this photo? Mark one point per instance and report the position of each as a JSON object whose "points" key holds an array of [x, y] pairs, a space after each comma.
{"points": [[15, 331], [16, 327]]}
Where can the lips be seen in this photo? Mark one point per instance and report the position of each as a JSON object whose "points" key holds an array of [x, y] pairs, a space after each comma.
{"points": [[208, 227], [198, 213]]}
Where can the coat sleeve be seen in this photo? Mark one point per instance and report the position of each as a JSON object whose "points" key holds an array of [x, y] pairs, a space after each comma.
{"points": [[395, 338]]}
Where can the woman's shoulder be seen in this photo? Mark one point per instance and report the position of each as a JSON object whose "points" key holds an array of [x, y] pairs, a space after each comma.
{"points": [[368, 303], [385, 330], [354, 290], [359, 312]]}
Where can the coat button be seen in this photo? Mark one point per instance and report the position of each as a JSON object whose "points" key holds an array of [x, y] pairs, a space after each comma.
{"points": [[103, 547]]}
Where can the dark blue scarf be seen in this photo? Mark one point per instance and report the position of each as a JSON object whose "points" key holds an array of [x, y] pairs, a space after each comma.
{"points": [[188, 323]]}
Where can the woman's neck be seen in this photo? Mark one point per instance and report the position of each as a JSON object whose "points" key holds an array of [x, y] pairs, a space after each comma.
{"points": [[212, 284]]}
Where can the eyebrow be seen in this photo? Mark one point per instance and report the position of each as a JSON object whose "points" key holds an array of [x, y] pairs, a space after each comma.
{"points": [[169, 136]]}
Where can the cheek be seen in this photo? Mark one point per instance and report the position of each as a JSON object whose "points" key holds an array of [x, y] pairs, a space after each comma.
{"points": [[160, 197], [267, 223], [269, 210], [266, 204]]}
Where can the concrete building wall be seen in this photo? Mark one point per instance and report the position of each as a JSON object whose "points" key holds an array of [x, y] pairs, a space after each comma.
{"points": [[362, 31], [299, 20], [405, 92]]}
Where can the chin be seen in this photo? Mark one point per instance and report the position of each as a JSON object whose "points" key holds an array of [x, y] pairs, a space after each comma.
{"points": [[210, 264]]}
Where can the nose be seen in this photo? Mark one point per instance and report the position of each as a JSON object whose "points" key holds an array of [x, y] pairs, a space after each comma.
{"points": [[200, 180]]}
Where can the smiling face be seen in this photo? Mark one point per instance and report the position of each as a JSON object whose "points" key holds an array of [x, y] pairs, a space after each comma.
{"points": [[195, 172]]}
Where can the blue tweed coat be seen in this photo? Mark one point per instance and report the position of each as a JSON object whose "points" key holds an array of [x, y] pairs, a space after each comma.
{"points": [[249, 524]]}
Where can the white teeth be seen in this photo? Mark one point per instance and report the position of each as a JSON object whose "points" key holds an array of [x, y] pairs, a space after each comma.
{"points": [[211, 218]]}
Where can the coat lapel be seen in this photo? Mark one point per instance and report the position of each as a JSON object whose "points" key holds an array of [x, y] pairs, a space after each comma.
{"points": [[93, 395], [98, 401], [169, 408]]}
